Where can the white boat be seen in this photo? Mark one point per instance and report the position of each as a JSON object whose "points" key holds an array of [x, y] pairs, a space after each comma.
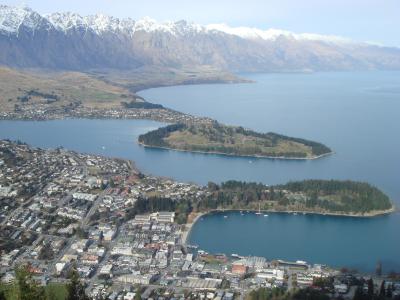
{"points": [[265, 215], [225, 217], [259, 209]]}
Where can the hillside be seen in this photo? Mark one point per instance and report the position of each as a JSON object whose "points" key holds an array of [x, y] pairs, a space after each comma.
{"points": [[57, 89], [39, 89], [70, 41], [217, 138]]}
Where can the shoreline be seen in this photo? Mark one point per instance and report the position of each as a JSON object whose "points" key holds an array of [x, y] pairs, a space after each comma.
{"points": [[240, 155], [189, 226]]}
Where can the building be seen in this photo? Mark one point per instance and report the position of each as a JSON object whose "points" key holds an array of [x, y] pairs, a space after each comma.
{"points": [[136, 278], [269, 274], [141, 219], [84, 196], [106, 269], [166, 217], [239, 269]]}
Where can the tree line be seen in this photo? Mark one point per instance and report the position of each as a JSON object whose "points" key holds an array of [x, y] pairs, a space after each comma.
{"points": [[141, 105]]}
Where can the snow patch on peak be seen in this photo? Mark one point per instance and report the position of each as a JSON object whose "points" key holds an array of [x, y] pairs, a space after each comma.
{"points": [[67, 20], [148, 24], [273, 34], [11, 18], [101, 23], [249, 33]]}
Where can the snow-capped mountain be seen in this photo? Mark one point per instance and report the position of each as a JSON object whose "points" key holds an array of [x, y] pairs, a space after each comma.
{"points": [[71, 41]]}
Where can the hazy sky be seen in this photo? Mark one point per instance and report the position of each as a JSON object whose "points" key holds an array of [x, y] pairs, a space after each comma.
{"points": [[365, 20]]}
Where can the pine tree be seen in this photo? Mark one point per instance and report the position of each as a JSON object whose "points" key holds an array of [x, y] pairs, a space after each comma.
{"points": [[138, 295], [370, 288], [382, 289], [27, 287], [76, 291], [359, 295]]}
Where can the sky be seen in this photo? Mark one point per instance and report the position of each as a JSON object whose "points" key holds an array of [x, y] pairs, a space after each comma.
{"points": [[375, 21]]}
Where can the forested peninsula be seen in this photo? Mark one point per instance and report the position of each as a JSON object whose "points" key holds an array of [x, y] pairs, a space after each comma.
{"points": [[330, 197], [214, 137]]}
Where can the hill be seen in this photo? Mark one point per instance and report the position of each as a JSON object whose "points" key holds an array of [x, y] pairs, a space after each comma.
{"points": [[39, 89], [214, 137], [57, 89]]}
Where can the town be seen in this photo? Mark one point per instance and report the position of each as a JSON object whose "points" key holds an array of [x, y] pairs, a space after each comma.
{"points": [[44, 111], [62, 209]]}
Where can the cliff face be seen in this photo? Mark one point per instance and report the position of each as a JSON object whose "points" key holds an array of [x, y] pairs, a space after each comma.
{"points": [[69, 41]]}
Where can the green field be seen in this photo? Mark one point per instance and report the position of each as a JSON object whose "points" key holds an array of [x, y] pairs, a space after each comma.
{"points": [[54, 291]]}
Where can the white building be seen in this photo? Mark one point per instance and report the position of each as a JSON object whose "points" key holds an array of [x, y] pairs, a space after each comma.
{"points": [[84, 196], [269, 274]]}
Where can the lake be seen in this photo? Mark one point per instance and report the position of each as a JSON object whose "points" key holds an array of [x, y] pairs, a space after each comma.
{"points": [[356, 114]]}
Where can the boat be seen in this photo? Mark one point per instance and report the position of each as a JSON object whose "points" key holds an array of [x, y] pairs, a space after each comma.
{"points": [[225, 217], [259, 209], [295, 213], [265, 215]]}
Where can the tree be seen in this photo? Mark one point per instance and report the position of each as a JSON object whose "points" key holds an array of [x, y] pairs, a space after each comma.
{"points": [[359, 295], [370, 288], [2, 295], [46, 252], [75, 289], [81, 233], [138, 295], [27, 287], [382, 289]]}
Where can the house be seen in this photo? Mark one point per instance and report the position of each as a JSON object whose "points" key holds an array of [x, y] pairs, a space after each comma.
{"points": [[129, 296], [239, 269], [341, 288]]}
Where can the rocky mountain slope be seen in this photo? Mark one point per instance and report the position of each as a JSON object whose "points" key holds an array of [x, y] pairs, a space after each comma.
{"points": [[70, 41]]}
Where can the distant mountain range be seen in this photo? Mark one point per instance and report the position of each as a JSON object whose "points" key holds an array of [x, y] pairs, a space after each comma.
{"points": [[70, 41]]}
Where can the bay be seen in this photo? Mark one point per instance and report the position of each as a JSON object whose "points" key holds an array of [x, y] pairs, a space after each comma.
{"points": [[356, 114]]}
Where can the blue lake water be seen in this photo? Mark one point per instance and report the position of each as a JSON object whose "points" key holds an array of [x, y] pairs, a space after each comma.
{"points": [[356, 114]]}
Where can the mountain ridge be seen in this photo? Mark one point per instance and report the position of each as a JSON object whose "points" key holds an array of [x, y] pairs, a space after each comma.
{"points": [[70, 41]]}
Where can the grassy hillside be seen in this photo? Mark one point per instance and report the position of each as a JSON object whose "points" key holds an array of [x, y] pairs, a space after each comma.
{"points": [[157, 76], [58, 89], [97, 89], [218, 138]]}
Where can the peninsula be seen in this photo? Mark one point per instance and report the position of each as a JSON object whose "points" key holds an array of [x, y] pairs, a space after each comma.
{"points": [[330, 197], [214, 137]]}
